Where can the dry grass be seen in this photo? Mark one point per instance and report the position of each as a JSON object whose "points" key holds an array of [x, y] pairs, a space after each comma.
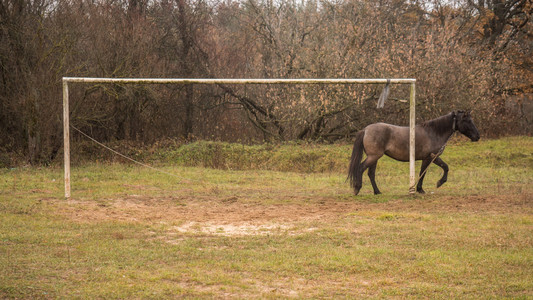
{"points": [[133, 233]]}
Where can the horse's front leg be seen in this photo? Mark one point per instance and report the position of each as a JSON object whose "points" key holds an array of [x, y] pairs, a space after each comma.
{"points": [[425, 164], [444, 167]]}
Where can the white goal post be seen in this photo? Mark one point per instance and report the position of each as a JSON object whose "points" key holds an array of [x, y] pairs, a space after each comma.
{"points": [[66, 118]]}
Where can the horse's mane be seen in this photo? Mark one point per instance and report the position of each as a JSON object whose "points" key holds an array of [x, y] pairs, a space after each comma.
{"points": [[441, 124]]}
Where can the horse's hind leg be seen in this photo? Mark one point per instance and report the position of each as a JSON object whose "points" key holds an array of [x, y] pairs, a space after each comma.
{"points": [[368, 162], [444, 167], [372, 176]]}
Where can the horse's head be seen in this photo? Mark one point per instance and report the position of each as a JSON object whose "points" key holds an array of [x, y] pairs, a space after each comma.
{"points": [[465, 125]]}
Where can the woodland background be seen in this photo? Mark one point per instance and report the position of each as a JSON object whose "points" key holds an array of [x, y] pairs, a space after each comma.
{"points": [[465, 54]]}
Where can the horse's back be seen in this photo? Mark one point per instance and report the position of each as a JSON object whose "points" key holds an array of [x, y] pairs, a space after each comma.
{"points": [[383, 138]]}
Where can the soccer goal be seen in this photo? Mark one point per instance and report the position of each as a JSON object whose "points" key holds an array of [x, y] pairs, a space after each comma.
{"points": [[66, 118]]}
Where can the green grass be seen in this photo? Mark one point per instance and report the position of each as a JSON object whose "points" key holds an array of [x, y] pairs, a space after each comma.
{"points": [[131, 232]]}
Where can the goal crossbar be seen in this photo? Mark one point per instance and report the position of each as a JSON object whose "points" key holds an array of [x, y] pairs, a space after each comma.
{"points": [[237, 80], [66, 117]]}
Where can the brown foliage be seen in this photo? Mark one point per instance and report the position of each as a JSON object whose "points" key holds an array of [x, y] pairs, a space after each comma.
{"points": [[469, 55]]}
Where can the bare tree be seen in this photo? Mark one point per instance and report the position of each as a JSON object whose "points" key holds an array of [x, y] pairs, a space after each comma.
{"points": [[465, 54]]}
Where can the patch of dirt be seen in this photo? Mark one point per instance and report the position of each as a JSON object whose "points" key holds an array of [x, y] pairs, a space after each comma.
{"points": [[232, 216], [218, 211], [237, 229]]}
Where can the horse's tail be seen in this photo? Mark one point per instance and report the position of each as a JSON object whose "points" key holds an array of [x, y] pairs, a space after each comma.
{"points": [[354, 170]]}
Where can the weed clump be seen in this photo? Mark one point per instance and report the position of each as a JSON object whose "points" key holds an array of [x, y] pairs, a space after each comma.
{"points": [[303, 158]]}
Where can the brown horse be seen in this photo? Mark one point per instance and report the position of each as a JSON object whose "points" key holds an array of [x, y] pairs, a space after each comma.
{"points": [[430, 139]]}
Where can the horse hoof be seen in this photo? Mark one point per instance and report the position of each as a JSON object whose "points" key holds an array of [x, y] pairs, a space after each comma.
{"points": [[440, 183], [421, 191]]}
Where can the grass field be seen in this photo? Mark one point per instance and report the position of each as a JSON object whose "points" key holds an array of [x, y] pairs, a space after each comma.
{"points": [[270, 221]]}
